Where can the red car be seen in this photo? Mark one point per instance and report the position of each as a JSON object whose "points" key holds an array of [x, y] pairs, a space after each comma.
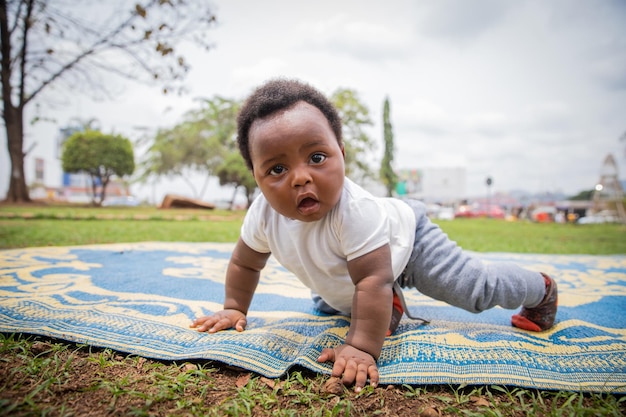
{"points": [[466, 211]]}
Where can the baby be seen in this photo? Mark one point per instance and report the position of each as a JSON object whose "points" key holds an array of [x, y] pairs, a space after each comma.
{"points": [[353, 250]]}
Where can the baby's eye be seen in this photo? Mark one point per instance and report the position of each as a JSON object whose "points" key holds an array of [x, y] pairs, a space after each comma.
{"points": [[318, 158], [277, 170]]}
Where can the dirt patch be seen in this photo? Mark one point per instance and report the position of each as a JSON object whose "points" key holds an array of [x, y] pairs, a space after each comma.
{"points": [[54, 378]]}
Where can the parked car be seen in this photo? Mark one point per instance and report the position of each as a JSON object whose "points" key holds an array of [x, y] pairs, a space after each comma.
{"points": [[543, 214], [128, 201], [604, 216], [468, 211], [445, 213]]}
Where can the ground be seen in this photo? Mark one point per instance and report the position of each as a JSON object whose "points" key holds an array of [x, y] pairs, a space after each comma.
{"points": [[48, 377]]}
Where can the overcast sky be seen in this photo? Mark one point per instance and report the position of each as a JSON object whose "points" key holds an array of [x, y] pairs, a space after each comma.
{"points": [[531, 92]]}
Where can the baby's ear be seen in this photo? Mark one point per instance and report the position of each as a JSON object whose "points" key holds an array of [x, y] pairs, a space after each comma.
{"points": [[343, 152]]}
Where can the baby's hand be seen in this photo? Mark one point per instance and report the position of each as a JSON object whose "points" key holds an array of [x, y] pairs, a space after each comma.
{"points": [[222, 320], [354, 364]]}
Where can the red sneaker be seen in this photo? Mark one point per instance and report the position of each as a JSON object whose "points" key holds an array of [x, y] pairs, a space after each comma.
{"points": [[540, 318], [396, 314]]}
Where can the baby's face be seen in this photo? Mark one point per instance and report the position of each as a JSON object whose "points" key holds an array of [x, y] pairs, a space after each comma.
{"points": [[298, 163]]}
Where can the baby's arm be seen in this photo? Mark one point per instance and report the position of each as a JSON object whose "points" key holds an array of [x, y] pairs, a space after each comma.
{"points": [[371, 313], [242, 277]]}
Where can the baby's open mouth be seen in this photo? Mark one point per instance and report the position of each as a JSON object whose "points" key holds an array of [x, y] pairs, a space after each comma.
{"points": [[307, 202]]}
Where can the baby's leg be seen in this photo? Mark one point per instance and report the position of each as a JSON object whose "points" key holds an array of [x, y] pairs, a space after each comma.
{"points": [[440, 269], [321, 305]]}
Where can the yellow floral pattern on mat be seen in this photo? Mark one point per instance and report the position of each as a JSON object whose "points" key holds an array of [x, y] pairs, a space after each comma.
{"points": [[140, 298]]}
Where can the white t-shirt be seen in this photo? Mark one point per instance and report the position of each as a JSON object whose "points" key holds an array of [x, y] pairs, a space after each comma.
{"points": [[317, 252]]}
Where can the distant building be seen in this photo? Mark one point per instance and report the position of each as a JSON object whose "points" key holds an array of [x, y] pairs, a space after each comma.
{"points": [[74, 187], [442, 185]]}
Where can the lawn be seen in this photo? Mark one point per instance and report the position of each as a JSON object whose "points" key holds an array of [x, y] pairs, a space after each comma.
{"points": [[490, 235], [39, 376], [43, 226]]}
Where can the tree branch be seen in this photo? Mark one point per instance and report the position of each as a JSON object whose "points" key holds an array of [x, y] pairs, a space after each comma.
{"points": [[23, 54], [5, 73], [90, 51]]}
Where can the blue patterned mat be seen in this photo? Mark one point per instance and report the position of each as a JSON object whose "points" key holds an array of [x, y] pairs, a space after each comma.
{"points": [[140, 298]]}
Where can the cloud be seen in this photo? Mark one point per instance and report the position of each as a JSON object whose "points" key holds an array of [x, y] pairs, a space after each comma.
{"points": [[530, 92], [610, 71], [259, 71], [425, 117], [348, 35], [594, 34], [460, 20]]}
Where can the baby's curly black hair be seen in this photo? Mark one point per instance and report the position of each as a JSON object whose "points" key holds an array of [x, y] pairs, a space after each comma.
{"points": [[276, 95]]}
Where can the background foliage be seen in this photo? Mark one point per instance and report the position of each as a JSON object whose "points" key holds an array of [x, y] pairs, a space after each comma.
{"points": [[101, 156]]}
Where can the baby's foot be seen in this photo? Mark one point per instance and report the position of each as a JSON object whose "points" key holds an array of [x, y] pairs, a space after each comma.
{"points": [[541, 317]]}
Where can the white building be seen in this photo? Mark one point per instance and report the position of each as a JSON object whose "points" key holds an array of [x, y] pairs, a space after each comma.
{"points": [[442, 185]]}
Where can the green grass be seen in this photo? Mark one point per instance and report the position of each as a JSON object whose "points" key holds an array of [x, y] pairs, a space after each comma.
{"points": [[46, 377], [490, 235], [42, 212], [60, 379], [24, 233], [63, 226], [68, 226]]}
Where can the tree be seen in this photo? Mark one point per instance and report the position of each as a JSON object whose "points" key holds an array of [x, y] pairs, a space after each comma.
{"points": [[198, 144], [71, 45], [585, 195], [99, 155], [234, 171], [387, 174], [357, 143]]}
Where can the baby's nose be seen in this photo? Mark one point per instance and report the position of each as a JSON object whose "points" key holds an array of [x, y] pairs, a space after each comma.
{"points": [[300, 176]]}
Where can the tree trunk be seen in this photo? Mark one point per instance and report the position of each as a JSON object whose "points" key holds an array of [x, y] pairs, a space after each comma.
{"points": [[232, 199], [249, 196], [105, 183], [13, 120], [94, 189]]}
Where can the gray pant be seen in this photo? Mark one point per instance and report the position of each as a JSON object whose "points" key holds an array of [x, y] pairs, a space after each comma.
{"points": [[440, 269]]}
